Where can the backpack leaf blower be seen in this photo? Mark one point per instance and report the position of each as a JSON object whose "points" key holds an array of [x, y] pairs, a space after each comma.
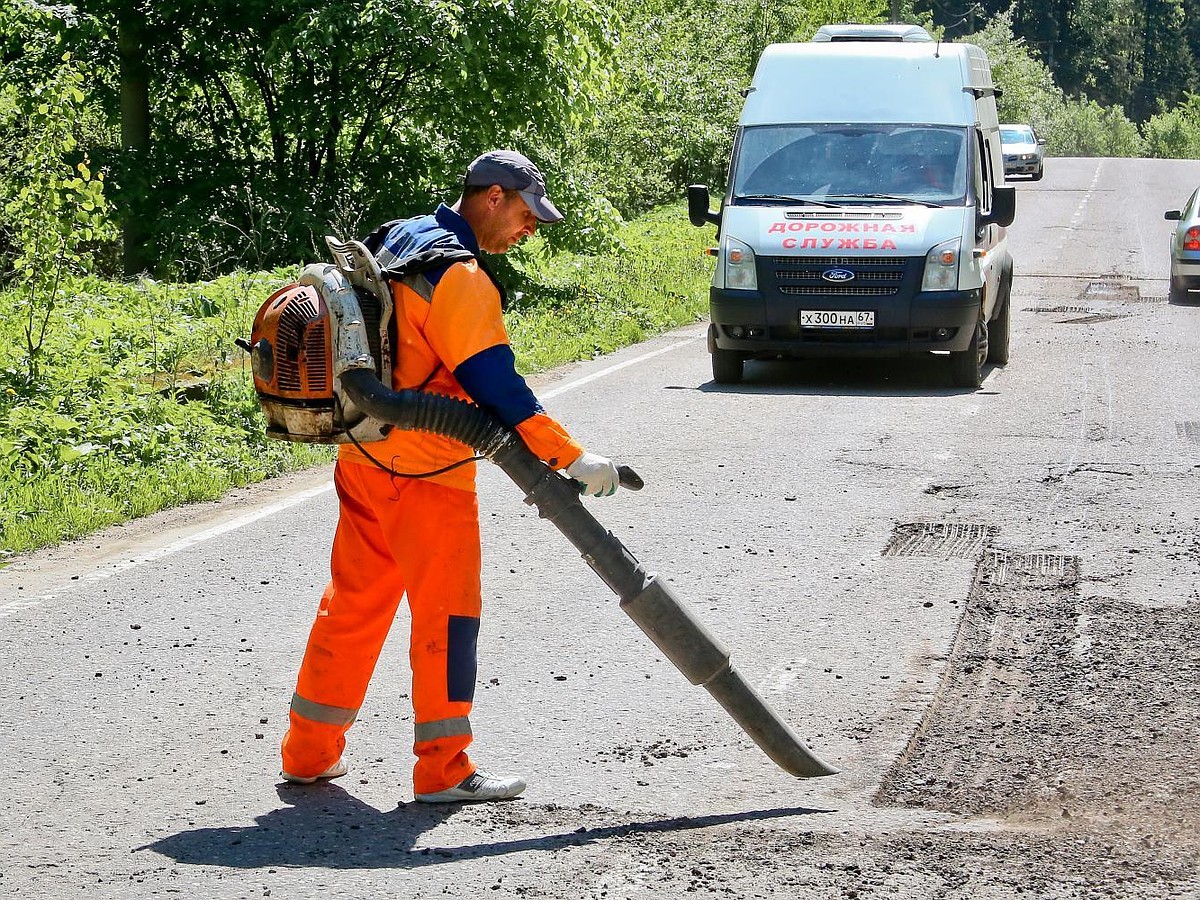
{"points": [[321, 357]]}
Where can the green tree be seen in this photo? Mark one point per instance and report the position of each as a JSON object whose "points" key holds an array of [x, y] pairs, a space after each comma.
{"points": [[678, 74], [55, 210], [270, 122], [1168, 69], [1191, 16], [1028, 91]]}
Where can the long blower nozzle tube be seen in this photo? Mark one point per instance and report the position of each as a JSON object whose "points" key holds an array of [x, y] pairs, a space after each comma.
{"points": [[650, 603]]}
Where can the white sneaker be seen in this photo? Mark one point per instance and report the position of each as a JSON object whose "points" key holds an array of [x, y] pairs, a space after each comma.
{"points": [[478, 786], [337, 770]]}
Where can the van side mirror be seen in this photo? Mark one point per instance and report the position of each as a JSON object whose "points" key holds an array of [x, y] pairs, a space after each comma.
{"points": [[1173, 215], [1004, 207], [698, 211]]}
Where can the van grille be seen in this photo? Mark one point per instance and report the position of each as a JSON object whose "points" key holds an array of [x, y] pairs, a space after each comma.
{"points": [[835, 290], [874, 276], [809, 262], [889, 277]]}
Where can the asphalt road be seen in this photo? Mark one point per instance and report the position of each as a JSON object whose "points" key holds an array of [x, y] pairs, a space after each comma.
{"points": [[980, 605]]}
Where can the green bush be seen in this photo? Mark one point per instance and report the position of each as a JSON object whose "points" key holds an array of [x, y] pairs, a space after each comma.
{"points": [[1082, 127], [576, 306], [1175, 133], [140, 401]]}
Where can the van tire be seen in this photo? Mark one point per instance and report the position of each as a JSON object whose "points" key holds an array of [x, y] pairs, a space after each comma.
{"points": [[1000, 328], [966, 366], [727, 366]]}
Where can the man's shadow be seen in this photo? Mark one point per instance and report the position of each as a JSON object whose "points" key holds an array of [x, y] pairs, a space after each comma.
{"points": [[325, 827]]}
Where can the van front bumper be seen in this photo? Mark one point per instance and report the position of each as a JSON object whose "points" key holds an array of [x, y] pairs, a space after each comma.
{"points": [[764, 326]]}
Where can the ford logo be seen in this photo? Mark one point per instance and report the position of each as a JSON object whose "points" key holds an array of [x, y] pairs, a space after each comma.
{"points": [[838, 275]]}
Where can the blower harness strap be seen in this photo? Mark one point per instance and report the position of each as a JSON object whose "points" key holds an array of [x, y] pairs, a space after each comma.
{"points": [[417, 263]]}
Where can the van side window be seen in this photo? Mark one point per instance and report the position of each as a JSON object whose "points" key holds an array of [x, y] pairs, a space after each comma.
{"points": [[983, 175]]}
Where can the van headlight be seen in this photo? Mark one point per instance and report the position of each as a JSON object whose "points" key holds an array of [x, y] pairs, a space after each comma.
{"points": [[738, 261], [941, 267]]}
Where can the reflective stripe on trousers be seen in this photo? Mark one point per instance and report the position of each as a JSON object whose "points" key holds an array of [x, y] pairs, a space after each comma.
{"points": [[423, 732], [319, 712]]}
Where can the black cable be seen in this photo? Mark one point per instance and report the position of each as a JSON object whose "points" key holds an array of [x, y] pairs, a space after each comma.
{"points": [[363, 450]]}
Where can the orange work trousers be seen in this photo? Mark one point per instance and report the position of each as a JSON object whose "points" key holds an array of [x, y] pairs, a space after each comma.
{"points": [[394, 536]]}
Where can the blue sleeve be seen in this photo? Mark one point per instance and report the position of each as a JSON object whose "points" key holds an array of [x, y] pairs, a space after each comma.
{"points": [[490, 377]]}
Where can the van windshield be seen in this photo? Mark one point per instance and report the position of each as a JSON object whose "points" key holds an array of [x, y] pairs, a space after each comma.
{"points": [[850, 163]]}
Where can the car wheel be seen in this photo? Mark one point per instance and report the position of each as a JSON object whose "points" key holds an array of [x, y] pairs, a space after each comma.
{"points": [[1001, 326], [966, 366], [727, 366], [1036, 176], [1178, 292]]}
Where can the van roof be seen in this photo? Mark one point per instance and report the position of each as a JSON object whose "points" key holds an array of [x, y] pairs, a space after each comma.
{"points": [[871, 33], [870, 81]]}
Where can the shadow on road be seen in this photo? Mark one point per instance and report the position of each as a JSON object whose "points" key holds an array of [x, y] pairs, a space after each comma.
{"points": [[325, 827], [915, 377]]}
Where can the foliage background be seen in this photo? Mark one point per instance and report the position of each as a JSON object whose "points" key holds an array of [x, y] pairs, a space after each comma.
{"points": [[269, 123]]}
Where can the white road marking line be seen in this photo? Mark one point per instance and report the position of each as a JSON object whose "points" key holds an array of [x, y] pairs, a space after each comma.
{"points": [[11, 607], [1082, 208], [580, 382], [15, 606]]}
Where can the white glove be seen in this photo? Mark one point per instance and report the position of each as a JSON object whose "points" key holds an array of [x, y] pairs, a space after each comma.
{"points": [[596, 473]]}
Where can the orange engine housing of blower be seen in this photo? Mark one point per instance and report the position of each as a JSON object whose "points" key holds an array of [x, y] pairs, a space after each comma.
{"points": [[291, 354]]}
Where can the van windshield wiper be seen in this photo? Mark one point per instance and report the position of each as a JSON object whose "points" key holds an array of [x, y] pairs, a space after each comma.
{"points": [[789, 198], [894, 197]]}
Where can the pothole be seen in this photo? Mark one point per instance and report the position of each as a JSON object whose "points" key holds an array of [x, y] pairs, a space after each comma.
{"points": [[1061, 310], [948, 540], [1059, 709], [1085, 315], [1113, 291], [1093, 319], [1002, 566]]}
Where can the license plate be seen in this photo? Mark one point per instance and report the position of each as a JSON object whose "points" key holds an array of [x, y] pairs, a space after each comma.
{"points": [[837, 318]]}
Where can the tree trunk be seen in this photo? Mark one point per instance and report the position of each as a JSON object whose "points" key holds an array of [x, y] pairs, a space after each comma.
{"points": [[135, 138]]}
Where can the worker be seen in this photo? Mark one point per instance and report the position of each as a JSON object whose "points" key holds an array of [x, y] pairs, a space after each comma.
{"points": [[408, 513]]}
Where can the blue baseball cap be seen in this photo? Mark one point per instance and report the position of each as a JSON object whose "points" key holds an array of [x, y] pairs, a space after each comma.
{"points": [[514, 171]]}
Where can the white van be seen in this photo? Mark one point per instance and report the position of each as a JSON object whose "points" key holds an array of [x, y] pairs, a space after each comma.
{"points": [[866, 207]]}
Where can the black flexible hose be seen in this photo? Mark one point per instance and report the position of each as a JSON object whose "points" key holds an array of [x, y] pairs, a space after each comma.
{"points": [[450, 417], [420, 411]]}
